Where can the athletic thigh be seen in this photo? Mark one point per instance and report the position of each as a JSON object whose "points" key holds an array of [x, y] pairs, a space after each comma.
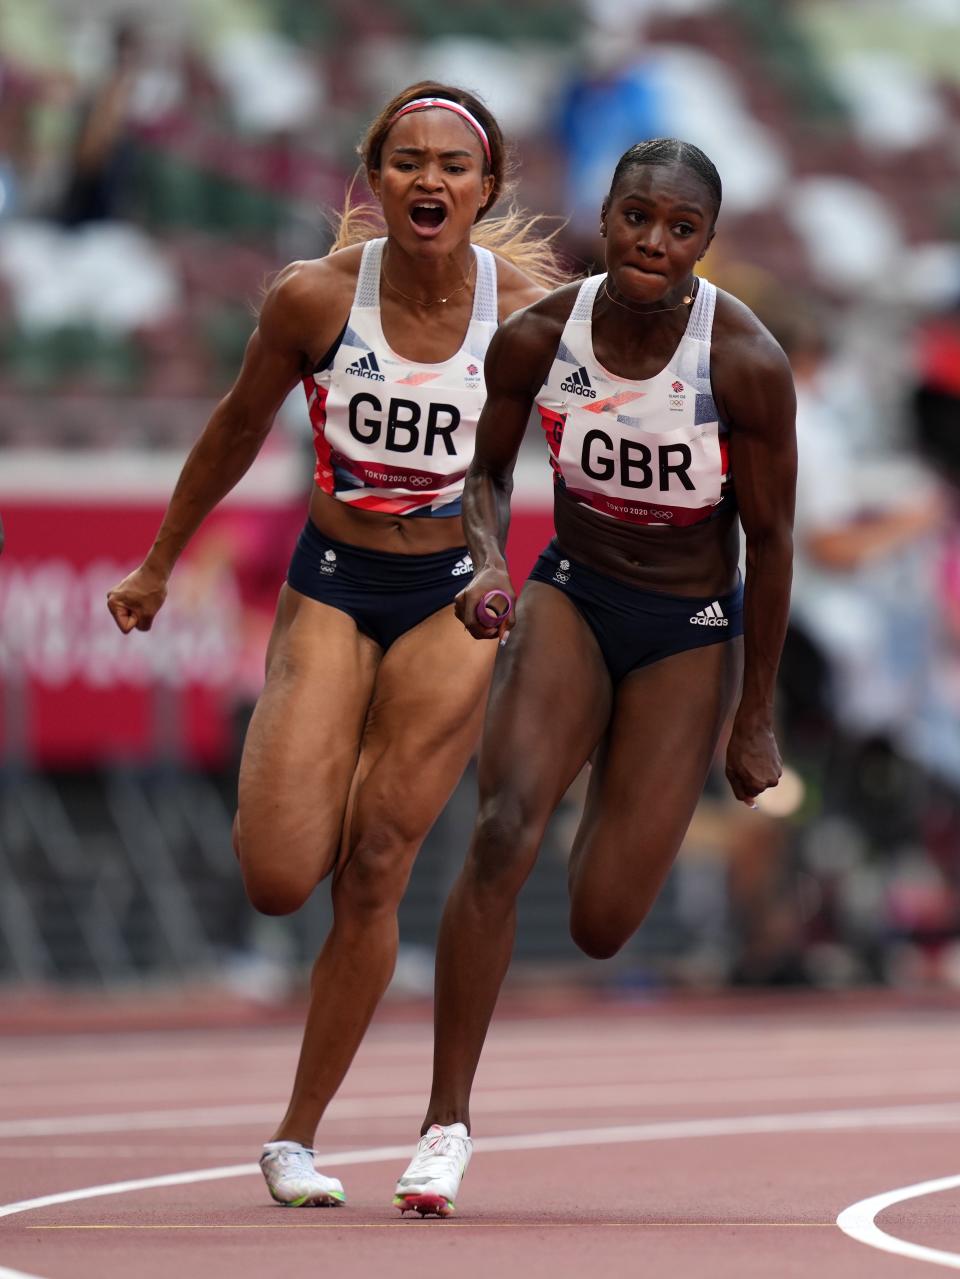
{"points": [[422, 726], [549, 705], [301, 749], [646, 780]]}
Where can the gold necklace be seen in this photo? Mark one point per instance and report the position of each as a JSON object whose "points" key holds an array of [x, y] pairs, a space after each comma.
{"points": [[687, 299], [419, 301]]}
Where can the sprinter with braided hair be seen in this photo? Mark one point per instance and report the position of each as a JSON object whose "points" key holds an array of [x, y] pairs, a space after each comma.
{"points": [[669, 416]]}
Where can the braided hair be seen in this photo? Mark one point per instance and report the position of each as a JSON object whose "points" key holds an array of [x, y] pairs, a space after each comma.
{"points": [[671, 151]]}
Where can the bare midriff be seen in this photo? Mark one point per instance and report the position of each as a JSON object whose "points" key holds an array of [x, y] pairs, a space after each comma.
{"points": [[700, 559], [400, 534]]}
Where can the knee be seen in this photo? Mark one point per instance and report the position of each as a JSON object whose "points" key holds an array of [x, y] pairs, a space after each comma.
{"points": [[597, 942], [271, 889], [376, 872], [601, 935], [274, 894], [504, 846]]}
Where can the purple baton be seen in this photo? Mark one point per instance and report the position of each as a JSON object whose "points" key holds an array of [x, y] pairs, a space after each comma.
{"points": [[488, 616]]}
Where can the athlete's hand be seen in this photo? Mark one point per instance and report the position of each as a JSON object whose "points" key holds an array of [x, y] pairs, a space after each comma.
{"points": [[136, 600], [753, 759], [465, 604]]}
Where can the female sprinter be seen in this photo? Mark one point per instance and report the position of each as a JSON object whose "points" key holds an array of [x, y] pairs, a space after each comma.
{"points": [[658, 394], [374, 692]]}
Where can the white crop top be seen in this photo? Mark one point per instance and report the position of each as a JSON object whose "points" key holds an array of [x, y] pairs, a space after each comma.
{"points": [[646, 452], [392, 435]]}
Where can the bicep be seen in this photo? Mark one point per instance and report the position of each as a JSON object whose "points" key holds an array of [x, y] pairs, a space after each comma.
{"points": [[267, 375], [500, 431], [277, 352], [761, 413], [512, 373]]}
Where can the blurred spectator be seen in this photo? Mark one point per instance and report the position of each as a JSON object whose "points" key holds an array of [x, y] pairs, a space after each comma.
{"points": [[100, 165], [935, 401], [15, 92], [866, 534], [610, 103], [936, 394]]}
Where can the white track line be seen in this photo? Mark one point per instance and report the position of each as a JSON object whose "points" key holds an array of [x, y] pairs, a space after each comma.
{"points": [[726, 1126], [857, 1221], [814, 1121]]}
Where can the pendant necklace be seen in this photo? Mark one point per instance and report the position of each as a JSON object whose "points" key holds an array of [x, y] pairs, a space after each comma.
{"points": [[419, 301], [686, 300]]}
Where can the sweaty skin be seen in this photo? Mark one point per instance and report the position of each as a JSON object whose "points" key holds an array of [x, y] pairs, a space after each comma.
{"points": [[753, 391], [651, 738], [332, 780]]}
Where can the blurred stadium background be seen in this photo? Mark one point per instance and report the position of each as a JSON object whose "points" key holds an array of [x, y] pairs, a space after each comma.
{"points": [[157, 165]]}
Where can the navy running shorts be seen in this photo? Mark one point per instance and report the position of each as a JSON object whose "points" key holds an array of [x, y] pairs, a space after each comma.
{"points": [[386, 594], [633, 627]]}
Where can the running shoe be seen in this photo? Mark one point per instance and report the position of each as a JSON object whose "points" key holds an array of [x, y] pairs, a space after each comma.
{"points": [[293, 1180], [431, 1182]]}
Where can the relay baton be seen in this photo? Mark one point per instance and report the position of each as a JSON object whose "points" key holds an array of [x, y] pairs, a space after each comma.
{"points": [[487, 615]]}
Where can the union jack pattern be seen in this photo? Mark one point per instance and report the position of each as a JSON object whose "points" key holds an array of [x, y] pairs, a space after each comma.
{"points": [[645, 452], [391, 435]]}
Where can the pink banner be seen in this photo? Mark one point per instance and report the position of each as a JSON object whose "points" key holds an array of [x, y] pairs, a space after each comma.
{"points": [[78, 693]]}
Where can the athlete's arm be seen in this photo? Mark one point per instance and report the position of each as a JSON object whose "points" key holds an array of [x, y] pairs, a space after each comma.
{"points": [[228, 444], [517, 361], [755, 396]]}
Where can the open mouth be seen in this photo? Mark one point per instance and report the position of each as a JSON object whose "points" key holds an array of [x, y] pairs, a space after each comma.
{"points": [[428, 215]]}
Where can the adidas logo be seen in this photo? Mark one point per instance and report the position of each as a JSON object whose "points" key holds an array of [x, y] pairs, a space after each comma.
{"points": [[367, 367], [462, 566], [712, 615], [579, 384]]}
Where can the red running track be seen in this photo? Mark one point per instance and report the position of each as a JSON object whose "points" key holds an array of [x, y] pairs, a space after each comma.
{"points": [[640, 1141]]}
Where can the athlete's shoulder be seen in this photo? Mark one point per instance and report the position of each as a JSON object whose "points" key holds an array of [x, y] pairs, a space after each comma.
{"points": [[312, 279], [308, 301], [516, 288], [741, 339], [525, 345], [751, 375], [541, 321]]}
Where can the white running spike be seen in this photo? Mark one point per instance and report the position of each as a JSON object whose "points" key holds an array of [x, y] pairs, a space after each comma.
{"points": [[432, 1179], [292, 1179]]}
